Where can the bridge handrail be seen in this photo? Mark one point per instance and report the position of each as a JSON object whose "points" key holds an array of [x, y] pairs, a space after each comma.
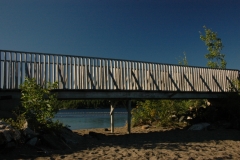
{"points": [[80, 72]]}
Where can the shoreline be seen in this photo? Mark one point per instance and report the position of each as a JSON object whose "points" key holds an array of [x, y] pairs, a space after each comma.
{"points": [[152, 143]]}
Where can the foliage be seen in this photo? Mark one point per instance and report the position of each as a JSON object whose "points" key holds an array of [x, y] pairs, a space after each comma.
{"points": [[18, 122], [38, 104], [183, 61], [214, 46], [165, 112]]}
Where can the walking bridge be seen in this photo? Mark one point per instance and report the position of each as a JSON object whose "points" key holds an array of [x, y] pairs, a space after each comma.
{"points": [[81, 77]]}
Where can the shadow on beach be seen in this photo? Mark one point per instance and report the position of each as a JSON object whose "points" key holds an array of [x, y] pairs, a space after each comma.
{"points": [[173, 140], [167, 139]]}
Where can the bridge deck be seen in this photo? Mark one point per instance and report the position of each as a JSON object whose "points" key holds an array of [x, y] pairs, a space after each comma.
{"points": [[120, 94]]}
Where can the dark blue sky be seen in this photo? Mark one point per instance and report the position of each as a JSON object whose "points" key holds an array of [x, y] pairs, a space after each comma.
{"points": [[145, 30]]}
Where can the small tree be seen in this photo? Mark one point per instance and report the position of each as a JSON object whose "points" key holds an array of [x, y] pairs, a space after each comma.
{"points": [[214, 46], [39, 105]]}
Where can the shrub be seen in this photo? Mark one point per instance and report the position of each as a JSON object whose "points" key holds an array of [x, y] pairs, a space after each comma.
{"points": [[165, 112], [38, 104]]}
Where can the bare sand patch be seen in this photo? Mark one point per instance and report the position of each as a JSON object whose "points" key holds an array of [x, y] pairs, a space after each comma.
{"points": [[153, 143]]}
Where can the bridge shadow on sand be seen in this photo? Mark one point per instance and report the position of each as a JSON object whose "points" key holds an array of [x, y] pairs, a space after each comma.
{"points": [[172, 140]]}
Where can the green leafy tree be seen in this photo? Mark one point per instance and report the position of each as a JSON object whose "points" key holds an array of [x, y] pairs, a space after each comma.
{"points": [[214, 47], [38, 104]]}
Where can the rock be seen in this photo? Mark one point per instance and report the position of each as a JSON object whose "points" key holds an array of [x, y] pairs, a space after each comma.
{"points": [[212, 127], [8, 135], [29, 133], [2, 139], [145, 126], [189, 118], [70, 137], [25, 125], [33, 141], [96, 135], [8, 132], [181, 118], [10, 145], [198, 127], [54, 141], [226, 125]]}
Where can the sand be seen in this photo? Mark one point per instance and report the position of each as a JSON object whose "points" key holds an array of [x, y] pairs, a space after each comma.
{"points": [[153, 143]]}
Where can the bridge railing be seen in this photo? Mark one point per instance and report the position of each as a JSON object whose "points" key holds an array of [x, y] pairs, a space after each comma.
{"points": [[77, 72]]}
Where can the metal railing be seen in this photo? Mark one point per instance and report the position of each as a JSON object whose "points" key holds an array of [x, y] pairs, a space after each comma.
{"points": [[77, 72]]}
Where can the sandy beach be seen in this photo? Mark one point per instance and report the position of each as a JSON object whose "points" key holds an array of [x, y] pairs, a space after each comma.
{"points": [[153, 143]]}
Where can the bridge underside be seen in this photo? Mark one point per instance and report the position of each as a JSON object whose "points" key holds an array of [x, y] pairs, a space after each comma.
{"points": [[120, 94]]}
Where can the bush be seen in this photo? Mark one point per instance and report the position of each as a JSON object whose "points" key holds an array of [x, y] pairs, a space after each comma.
{"points": [[19, 121], [38, 106], [165, 112]]}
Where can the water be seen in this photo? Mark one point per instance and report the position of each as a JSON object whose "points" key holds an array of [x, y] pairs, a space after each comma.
{"points": [[91, 118]]}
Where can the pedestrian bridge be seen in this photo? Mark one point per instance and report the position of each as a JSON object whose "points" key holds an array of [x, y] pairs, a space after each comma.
{"points": [[81, 77]]}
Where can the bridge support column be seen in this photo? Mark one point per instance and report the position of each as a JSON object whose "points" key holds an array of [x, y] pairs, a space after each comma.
{"points": [[129, 116], [113, 104]]}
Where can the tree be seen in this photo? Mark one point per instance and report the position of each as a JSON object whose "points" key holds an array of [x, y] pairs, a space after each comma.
{"points": [[38, 104], [183, 61], [214, 46]]}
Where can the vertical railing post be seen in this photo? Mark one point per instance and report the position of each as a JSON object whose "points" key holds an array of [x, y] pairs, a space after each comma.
{"points": [[120, 74], [114, 74], [61, 72], [66, 74], [89, 74], [53, 69], [36, 67], [85, 73], [130, 75], [44, 70], [96, 74], [16, 72], [74, 73], [5, 72], [71, 73], [56, 75], [106, 71], [127, 76], [30, 66], [78, 72], [39, 70], [81, 72], [10, 71]]}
